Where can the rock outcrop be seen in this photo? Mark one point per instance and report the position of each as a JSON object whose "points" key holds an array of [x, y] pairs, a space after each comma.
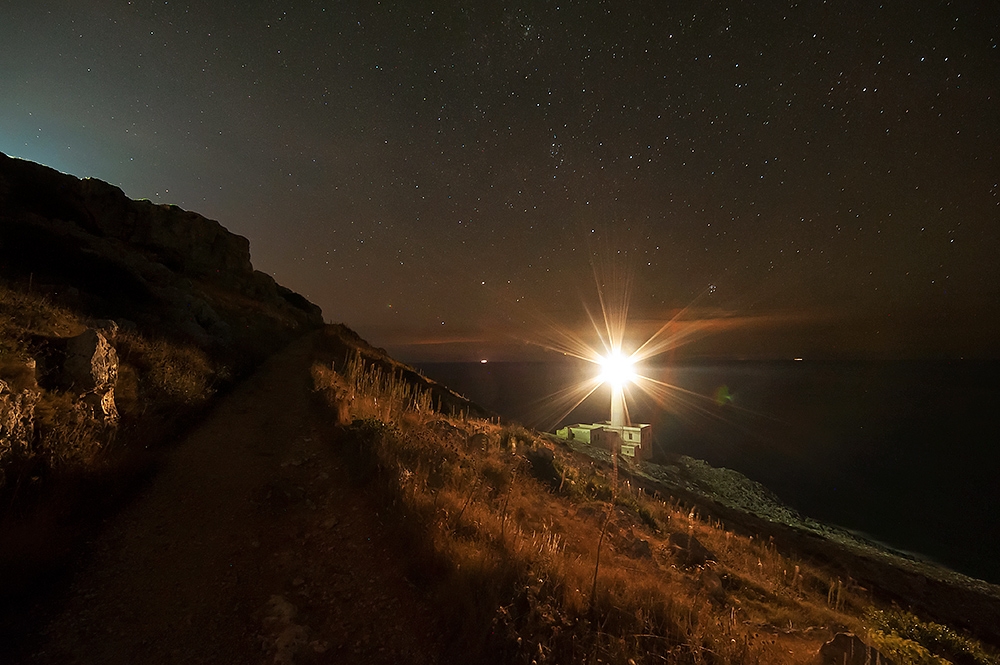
{"points": [[18, 396], [185, 242], [165, 268], [849, 649], [16, 416], [690, 551], [91, 369]]}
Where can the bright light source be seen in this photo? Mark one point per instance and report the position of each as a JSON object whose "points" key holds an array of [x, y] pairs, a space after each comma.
{"points": [[616, 369]]}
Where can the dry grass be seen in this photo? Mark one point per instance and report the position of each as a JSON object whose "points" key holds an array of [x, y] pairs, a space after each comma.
{"points": [[158, 381], [23, 314], [62, 433], [162, 372], [507, 527], [68, 434]]}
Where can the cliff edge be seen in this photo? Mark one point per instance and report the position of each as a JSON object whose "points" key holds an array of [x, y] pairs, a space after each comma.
{"points": [[155, 265]]}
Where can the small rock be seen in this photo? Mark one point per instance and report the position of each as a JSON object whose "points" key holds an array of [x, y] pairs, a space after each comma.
{"points": [[640, 549], [628, 543], [542, 461], [849, 649], [479, 441], [689, 550], [444, 427], [712, 584]]}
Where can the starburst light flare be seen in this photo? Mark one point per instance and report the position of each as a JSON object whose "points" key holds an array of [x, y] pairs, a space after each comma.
{"points": [[604, 342], [617, 369]]}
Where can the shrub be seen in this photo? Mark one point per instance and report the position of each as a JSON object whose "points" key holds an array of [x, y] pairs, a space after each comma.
{"points": [[373, 393], [905, 635], [168, 373], [511, 436]]}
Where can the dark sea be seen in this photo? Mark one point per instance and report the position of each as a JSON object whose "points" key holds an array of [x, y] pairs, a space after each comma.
{"points": [[907, 453]]}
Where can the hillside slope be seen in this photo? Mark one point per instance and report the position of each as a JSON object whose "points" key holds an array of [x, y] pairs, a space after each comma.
{"points": [[91, 248], [120, 322]]}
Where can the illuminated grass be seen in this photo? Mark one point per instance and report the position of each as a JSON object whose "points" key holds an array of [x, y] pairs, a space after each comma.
{"points": [[504, 527]]}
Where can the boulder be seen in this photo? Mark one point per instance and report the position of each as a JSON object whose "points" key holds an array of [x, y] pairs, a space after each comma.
{"points": [[91, 368], [633, 546], [543, 464], [91, 362], [17, 413], [712, 584], [18, 396], [479, 441], [446, 431], [689, 550], [849, 649]]}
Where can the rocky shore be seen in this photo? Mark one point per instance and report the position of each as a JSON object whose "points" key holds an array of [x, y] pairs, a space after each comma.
{"points": [[748, 507]]}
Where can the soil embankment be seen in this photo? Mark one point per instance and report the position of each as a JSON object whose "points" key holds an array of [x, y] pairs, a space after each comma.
{"points": [[250, 546]]}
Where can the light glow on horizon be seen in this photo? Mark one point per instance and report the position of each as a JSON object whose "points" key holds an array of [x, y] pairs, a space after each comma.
{"points": [[619, 370]]}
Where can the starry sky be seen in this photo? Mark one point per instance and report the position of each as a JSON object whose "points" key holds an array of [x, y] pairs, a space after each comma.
{"points": [[799, 178]]}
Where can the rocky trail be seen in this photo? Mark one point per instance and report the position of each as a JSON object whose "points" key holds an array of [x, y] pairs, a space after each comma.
{"points": [[252, 545]]}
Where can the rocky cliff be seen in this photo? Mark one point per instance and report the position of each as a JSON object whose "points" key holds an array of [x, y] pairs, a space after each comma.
{"points": [[150, 264]]}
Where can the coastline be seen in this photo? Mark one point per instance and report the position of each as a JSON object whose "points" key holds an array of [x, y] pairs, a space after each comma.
{"points": [[748, 507]]}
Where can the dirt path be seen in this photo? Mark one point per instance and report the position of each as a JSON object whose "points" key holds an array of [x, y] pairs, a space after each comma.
{"points": [[251, 546]]}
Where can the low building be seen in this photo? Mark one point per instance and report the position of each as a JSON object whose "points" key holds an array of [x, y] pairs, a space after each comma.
{"points": [[581, 432], [635, 441]]}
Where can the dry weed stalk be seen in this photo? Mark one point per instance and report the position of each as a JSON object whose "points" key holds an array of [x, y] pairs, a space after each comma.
{"points": [[607, 518]]}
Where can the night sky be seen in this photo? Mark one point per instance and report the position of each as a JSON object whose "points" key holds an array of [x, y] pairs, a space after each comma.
{"points": [[811, 178]]}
